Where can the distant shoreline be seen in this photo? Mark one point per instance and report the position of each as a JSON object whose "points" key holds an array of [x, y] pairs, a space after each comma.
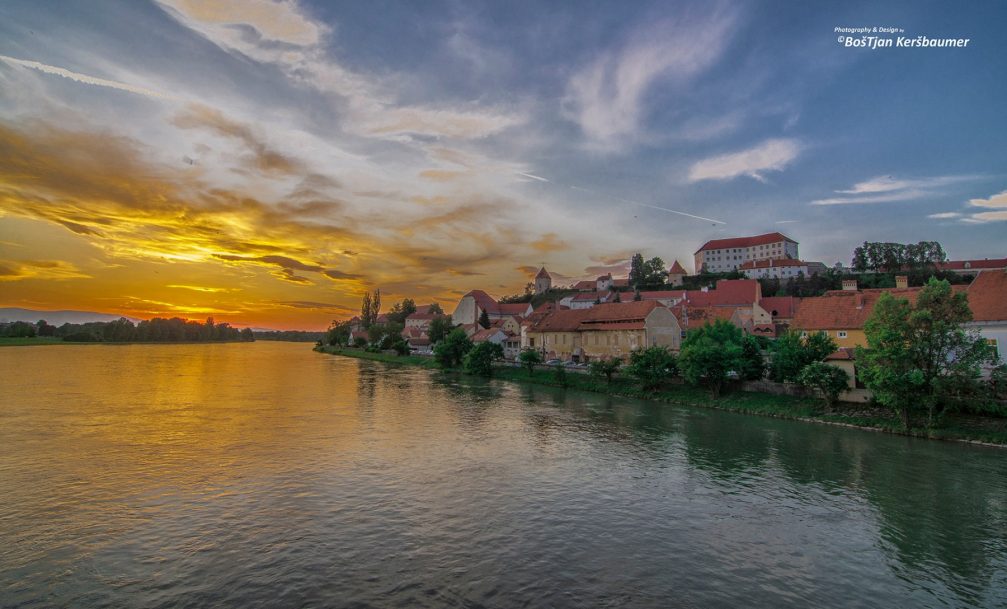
{"points": [[977, 430], [45, 341]]}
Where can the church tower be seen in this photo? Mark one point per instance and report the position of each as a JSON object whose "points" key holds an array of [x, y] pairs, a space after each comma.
{"points": [[543, 281]]}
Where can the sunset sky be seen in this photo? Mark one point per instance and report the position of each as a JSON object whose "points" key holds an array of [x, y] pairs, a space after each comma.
{"points": [[265, 163]]}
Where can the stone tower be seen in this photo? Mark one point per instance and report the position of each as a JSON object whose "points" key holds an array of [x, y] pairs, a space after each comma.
{"points": [[543, 281]]}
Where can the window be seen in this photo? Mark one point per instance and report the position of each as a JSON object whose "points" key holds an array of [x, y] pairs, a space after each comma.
{"points": [[531, 342], [841, 334]]}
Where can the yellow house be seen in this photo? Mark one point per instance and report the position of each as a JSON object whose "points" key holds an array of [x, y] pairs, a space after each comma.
{"points": [[603, 331]]}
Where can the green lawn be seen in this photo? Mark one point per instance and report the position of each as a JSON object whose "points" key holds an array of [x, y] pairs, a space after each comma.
{"points": [[958, 427], [23, 342]]}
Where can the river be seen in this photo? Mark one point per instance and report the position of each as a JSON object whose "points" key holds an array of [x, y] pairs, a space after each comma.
{"points": [[267, 475]]}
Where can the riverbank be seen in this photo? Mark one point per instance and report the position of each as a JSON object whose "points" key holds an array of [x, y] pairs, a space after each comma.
{"points": [[956, 427], [49, 340]]}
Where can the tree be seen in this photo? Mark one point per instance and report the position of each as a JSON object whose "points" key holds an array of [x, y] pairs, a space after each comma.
{"points": [[479, 359], [606, 367], [652, 366], [646, 274], [338, 333], [636, 270], [451, 351], [891, 257], [917, 356], [484, 319], [365, 311], [401, 310], [752, 365], [710, 353], [617, 298], [828, 381], [792, 352], [439, 328], [435, 309], [529, 358]]}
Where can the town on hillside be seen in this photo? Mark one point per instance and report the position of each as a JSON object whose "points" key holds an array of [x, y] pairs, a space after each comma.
{"points": [[758, 284]]}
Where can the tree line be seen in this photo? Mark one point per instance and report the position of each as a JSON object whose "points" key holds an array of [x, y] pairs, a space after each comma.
{"points": [[157, 329]]}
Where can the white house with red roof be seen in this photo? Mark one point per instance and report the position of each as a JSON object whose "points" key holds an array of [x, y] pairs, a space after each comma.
{"points": [[784, 269], [724, 255], [988, 301], [471, 306]]}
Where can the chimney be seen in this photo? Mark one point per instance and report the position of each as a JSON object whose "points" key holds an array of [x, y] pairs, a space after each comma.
{"points": [[901, 281], [849, 285]]}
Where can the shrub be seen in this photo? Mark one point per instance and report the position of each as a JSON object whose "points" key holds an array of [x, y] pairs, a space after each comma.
{"points": [[828, 381], [606, 367], [710, 353], [529, 358], [451, 351], [652, 366], [479, 359]]}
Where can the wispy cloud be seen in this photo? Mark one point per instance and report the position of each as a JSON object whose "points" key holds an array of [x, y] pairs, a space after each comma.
{"points": [[944, 215], [607, 97], [889, 189], [771, 155], [996, 202], [85, 79], [51, 270]]}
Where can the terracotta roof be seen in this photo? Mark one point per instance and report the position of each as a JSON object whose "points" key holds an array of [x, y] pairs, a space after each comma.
{"points": [[512, 308], [616, 311], [988, 296], [676, 269], [585, 285], [764, 329], [846, 309], [728, 292], [663, 295], [717, 244], [605, 277], [359, 334], [484, 335], [484, 300], [592, 296], [419, 341], [962, 265], [615, 315], [779, 306], [623, 325], [543, 273], [845, 353], [424, 309], [621, 283], [766, 264]]}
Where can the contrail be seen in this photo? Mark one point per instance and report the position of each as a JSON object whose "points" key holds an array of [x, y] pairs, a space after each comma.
{"points": [[621, 200], [84, 78]]}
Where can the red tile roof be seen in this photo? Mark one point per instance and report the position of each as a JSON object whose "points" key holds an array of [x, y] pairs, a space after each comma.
{"points": [[512, 308], [845, 353], [962, 265], [592, 296], [608, 316], [423, 316], [846, 309], [676, 269], [728, 292], [739, 242], [585, 285], [782, 307], [543, 273], [484, 335], [663, 295], [988, 296]]}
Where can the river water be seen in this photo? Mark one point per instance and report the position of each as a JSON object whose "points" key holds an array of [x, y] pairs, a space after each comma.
{"points": [[267, 475]]}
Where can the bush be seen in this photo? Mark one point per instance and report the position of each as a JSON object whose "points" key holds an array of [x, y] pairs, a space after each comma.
{"points": [[828, 381], [479, 359], [529, 358], [559, 375], [360, 342], [451, 351], [710, 353], [606, 367], [792, 352], [652, 366]]}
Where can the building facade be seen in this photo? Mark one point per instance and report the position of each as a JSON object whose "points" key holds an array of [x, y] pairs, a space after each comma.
{"points": [[724, 255]]}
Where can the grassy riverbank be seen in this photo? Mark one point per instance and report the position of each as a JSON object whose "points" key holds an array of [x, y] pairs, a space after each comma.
{"points": [[958, 427], [6, 341]]}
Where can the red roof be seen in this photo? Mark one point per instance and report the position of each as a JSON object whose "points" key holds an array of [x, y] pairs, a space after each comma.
{"points": [[988, 296], [663, 295], [676, 269], [608, 316], [728, 292], [779, 306], [424, 309], [979, 265], [846, 309], [844, 354], [717, 244], [543, 273], [423, 316], [512, 308], [585, 285], [484, 335], [592, 296]]}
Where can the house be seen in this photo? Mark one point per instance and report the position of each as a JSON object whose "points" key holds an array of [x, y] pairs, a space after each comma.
{"points": [[605, 330], [783, 269], [988, 301], [471, 306], [417, 339], [543, 281], [676, 274], [842, 313], [586, 300], [971, 267], [845, 359], [723, 255], [421, 320]]}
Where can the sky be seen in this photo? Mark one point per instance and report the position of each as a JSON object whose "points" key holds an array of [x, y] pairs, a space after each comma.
{"points": [[266, 163]]}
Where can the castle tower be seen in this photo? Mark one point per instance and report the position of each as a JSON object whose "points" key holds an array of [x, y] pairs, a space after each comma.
{"points": [[543, 281]]}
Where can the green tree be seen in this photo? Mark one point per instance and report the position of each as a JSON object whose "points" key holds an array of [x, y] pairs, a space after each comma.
{"points": [[828, 381], [451, 351], [529, 358], [338, 333], [791, 352], [918, 356], [435, 309], [752, 365], [646, 274], [652, 366], [559, 375], [365, 311], [479, 359], [484, 319], [710, 353], [606, 368], [401, 310], [439, 328]]}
